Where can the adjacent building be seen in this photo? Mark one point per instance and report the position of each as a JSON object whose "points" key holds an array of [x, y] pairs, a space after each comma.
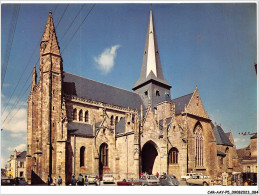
{"points": [[16, 166], [77, 125], [248, 159]]}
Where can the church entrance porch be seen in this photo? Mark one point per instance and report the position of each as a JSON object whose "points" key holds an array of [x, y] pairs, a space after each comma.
{"points": [[149, 154]]}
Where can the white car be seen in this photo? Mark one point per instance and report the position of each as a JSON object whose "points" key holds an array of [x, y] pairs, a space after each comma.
{"points": [[203, 176], [188, 176], [108, 178], [92, 179]]}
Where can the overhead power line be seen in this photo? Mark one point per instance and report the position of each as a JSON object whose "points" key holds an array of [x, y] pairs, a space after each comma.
{"points": [[79, 27], [62, 15], [22, 75], [69, 26], [16, 101], [10, 40]]}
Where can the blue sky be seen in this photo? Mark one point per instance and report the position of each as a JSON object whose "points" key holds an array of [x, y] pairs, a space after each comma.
{"points": [[209, 45]]}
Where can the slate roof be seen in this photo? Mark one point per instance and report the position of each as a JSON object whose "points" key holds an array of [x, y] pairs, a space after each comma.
{"points": [[219, 153], [144, 78], [89, 89], [244, 153], [80, 129], [221, 137], [22, 155], [180, 103], [120, 126]]}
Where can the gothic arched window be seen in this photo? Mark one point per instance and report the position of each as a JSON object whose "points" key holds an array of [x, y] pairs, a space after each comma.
{"points": [[173, 156], [86, 116], [116, 120], [82, 156], [80, 115], [104, 154], [74, 115], [198, 145], [112, 120]]}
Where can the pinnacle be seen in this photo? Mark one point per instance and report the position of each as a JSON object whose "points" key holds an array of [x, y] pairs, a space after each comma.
{"points": [[49, 36]]}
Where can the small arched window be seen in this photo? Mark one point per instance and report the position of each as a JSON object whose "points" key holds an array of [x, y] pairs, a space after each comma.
{"points": [[116, 120], [112, 120], [86, 116], [82, 156], [133, 118], [74, 114], [173, 156], [80, 115]]}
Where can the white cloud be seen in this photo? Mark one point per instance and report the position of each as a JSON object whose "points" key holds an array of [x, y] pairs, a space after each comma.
{"points": [[19, 135], [105, 61], [18, 148], [18, 123], [240, 140], [6, 85]]}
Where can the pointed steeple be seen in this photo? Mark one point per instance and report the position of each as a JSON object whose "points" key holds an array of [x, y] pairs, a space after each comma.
{"points": [[151, 66], [49, 42]]}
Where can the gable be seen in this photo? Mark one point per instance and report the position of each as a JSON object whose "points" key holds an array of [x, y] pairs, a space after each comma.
{"points": [[195, 105]]}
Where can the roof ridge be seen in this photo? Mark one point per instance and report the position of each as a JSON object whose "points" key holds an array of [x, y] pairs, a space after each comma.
{"points": [[183, 96], [102, 83]]}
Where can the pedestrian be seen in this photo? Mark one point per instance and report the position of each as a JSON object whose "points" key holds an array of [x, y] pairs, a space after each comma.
{"points": [[80, 180], [86, 181], [246, 183], [49, 180], [59, 180], [73, 181], [157, 174]]}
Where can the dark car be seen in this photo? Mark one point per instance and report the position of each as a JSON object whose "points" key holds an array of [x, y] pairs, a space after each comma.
{"points": [[7, 182], [20, 181], [129, 182], [168, 180]]}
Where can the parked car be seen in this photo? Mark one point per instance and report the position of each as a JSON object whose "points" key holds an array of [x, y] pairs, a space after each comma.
{"points": [[92, 179], [108, 178], [168, 180], [187, 176], [149, 180], [129, 182], [203, 176], [7, 182], [199, 180], [20, 181]]}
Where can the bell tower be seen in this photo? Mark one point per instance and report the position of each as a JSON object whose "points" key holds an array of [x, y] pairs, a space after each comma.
{"points": [[51, 74], [151, 85]]}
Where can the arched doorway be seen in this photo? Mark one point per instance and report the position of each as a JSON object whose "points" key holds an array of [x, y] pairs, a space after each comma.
{"points": [[103, 159], [149, 154]]}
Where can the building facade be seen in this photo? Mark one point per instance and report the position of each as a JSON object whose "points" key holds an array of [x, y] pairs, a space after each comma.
{"points": [[77, 125], [16, 166], [248, 160]]}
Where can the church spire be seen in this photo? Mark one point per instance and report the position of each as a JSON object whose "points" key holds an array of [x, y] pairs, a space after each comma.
{"points": [[49, 42], [151, 66]]}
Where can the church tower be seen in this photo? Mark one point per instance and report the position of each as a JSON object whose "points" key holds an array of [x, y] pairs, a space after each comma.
{"points": [[46, 138], [151, 85], [51, 74]]}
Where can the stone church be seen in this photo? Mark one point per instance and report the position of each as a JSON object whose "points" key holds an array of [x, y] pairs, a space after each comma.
{"points": [[77, 125]]}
